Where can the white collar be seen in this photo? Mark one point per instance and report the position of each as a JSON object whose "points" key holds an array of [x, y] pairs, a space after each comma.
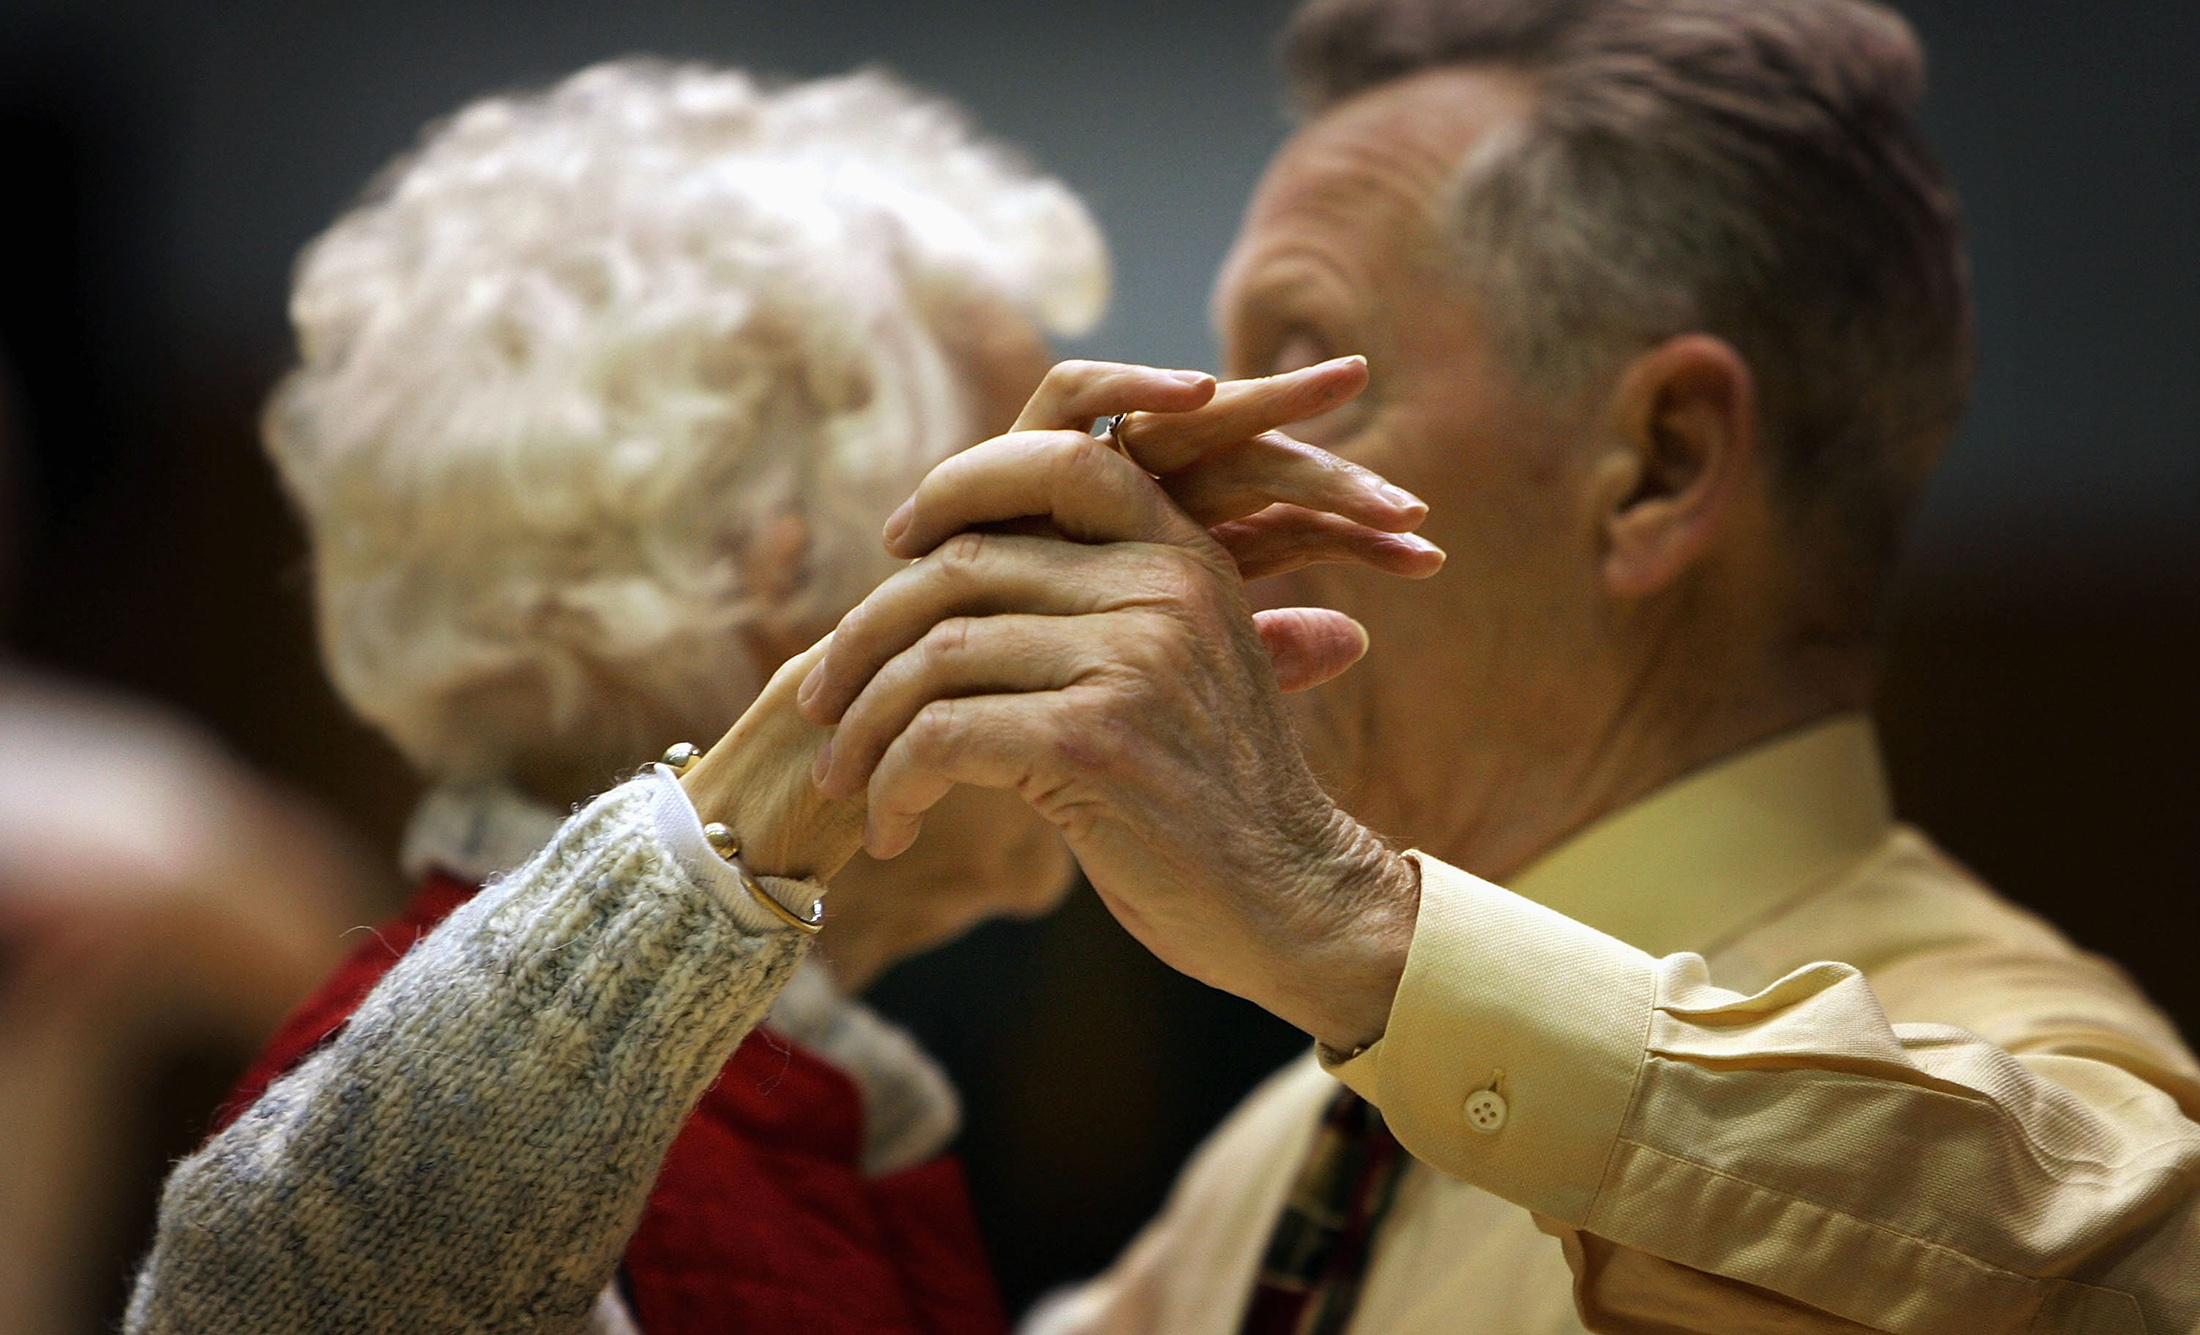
{"points": [[475, 831]]}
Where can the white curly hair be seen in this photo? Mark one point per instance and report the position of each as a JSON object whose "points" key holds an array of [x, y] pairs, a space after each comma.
{"points": [[587, 359]]}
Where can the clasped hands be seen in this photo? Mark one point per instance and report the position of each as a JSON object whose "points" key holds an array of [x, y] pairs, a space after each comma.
{"points": [[1073, 627]]}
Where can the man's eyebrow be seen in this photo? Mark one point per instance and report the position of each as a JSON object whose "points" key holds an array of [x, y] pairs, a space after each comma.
{"points": [[1292, 288]]}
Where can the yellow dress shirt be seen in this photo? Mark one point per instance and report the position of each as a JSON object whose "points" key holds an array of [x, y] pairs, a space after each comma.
{"points": [[1747, 1056]]}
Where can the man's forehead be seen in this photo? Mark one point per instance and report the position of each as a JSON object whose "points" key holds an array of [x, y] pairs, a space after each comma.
{"points": [[1405, 137], [1372, 173]]}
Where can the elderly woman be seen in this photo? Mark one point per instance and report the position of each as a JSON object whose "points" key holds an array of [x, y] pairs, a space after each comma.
{"points": [[604, 395]]}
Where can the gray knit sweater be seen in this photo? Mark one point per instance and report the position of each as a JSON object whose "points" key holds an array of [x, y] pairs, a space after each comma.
{"points": [[473, 1150]]}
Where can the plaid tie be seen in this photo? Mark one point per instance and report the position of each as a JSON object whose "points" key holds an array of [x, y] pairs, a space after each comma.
{"points": [[1310, 1277]]}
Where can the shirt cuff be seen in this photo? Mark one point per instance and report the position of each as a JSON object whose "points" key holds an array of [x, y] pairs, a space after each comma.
{"points": [[1513, 1046], [681, 830]]}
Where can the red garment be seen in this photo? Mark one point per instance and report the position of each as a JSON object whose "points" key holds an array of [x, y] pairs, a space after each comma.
{"points": [[761, 1221]]}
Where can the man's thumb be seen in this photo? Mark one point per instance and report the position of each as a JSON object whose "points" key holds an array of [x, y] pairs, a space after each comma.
{"points": [[1310, 645]]}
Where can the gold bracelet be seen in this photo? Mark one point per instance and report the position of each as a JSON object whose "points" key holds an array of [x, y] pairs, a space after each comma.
{"points": [[809, 926], [727, 847], [722, 842]]}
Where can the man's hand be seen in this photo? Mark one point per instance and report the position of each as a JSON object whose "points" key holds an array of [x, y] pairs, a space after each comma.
{"points": [[1273, 503], [1119, 682]]}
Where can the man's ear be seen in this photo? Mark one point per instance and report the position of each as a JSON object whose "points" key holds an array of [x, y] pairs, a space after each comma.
{"points": [[1686, 411]]}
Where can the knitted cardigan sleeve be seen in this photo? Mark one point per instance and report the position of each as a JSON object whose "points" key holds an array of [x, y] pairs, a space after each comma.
{"points": [[474, 1148]]}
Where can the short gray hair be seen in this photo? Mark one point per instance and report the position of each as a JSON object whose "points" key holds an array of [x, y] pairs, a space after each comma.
{"points": [[1751, 169], [580, 357]]}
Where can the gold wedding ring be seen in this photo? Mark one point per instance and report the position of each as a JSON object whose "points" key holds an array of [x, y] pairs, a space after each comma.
{"points": [[1114, 436]]}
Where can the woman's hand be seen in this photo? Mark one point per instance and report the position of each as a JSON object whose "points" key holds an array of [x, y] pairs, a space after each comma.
{"points": [[756, 780]]}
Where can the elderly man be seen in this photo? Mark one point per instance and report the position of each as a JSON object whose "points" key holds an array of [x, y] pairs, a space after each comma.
{"points": [[1665, 312]]}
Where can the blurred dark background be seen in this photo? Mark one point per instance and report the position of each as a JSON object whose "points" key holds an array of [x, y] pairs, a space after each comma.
{"points": [[165, 161]]}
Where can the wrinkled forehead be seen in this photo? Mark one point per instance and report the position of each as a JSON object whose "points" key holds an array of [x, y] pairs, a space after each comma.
{"points": [[1368, 181]]}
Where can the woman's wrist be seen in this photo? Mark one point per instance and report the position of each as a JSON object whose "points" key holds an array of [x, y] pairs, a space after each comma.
{"points": [[756, 782]]}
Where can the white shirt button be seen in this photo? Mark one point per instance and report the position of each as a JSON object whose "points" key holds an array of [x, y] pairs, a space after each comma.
{"points": [[1486, 1111]]}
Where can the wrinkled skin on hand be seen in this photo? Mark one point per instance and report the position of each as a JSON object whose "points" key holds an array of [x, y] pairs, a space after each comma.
{"points": [[1073, 628]]}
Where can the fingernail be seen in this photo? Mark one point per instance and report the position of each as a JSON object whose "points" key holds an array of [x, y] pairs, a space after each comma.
{"points": [[1190, 377], [808, 687], [1420, 546], [1403, 499], [897, 523], [823, 765]]}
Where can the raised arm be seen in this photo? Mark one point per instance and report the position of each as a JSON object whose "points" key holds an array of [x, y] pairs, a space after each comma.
{"points": [[474, 1148]]}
